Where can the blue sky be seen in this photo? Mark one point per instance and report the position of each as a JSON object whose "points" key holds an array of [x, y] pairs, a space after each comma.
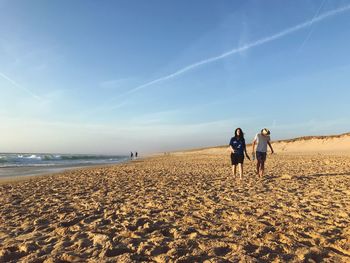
{"points": [[118, 76]]}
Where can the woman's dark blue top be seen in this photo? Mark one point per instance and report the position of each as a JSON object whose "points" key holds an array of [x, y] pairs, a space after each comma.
{"points": [[238, 145]]}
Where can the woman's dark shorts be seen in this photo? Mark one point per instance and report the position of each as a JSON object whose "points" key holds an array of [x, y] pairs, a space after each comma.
{"points": [[236, 158], [261, 156]]}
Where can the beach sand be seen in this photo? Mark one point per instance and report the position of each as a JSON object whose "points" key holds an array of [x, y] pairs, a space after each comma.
{"points": [[182, 207]]}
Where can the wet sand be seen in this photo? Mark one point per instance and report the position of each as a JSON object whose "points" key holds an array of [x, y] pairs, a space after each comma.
{"points": [[183, 207]]}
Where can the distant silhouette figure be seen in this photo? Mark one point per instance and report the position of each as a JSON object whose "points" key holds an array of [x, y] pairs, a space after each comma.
{"points": [[135, 154], [131, 155]]}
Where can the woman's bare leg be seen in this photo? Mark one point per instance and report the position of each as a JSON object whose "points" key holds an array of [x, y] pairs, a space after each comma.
{"points": [[234, 170], [240, 165]]}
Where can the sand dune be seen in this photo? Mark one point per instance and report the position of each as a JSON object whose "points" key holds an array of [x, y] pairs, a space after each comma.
{"points": [[321, 144], [182, 208], [337, 144]]}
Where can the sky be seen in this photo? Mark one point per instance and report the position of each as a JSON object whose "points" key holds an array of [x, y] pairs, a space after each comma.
{"points": [[110, 77]]}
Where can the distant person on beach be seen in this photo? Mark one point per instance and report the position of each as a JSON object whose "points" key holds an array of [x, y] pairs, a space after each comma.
{"points": [[238, 149], [136, 154], [262, 139], [131, 155]]}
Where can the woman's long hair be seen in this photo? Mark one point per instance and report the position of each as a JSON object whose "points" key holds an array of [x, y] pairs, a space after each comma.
{"points": [[241, 135]]}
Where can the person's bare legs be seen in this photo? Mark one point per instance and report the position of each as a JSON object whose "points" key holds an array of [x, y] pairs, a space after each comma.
{"points": [[240, 165], [262, 168], [234, 170], [258, 167]]}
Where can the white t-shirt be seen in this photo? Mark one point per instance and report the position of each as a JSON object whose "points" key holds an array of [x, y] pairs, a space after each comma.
{"points": [[261, 141]]}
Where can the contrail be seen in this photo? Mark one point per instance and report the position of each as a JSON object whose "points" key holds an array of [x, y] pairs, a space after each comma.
{"points": [[20, 87], [311, 28], [247, 46]]}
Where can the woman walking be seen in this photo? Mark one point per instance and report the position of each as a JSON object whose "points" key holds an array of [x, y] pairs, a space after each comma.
{"points": [[238, 149]]}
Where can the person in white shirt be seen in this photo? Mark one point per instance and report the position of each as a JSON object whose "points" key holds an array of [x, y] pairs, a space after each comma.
{"points": [[261, 139]]}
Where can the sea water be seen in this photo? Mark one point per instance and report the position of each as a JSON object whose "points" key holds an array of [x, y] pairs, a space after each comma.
{"points": [[18, 164]]}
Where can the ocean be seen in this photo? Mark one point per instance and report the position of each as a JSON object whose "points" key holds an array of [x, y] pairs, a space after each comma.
{"points": [[19, 164]]}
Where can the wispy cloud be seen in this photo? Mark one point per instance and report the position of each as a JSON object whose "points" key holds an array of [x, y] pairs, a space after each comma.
{"points": [[20, 87], [29, 55], [114, 83], [245, 47]]}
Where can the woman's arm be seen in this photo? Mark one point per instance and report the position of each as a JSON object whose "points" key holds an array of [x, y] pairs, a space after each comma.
{"points": [[246, 154], [231, 149]]}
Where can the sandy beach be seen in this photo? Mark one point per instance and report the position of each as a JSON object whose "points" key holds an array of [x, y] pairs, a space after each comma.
{"points": [[182, 207]]}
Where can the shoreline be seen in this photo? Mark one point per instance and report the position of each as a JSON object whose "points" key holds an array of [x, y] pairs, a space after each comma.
{"points": [[45, 171]]}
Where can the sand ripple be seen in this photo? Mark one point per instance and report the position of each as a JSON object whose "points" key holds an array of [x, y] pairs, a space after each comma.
{"points": [[181, 208]]}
